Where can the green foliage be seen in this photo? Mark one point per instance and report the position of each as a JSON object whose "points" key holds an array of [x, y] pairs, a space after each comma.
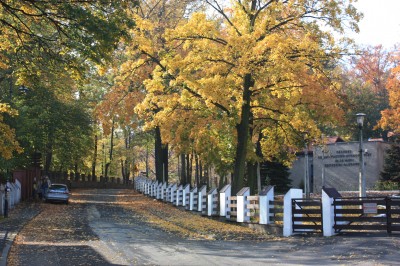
{"points": [[387, 185], [276, 174], [391, 168], [57, 128]]}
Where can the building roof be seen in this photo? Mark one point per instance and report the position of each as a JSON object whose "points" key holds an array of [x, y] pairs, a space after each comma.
{"points": [[333, 139]]}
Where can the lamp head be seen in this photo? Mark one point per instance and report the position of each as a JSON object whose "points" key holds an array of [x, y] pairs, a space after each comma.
{"points": [[360, 119]]}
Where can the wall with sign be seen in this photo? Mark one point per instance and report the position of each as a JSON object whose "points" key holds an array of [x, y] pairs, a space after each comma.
{"points": [[338, 165]]}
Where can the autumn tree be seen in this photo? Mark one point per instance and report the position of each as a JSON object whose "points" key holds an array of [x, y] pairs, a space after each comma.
{"points": [[262, 66], [8, 142], [365, 90], [56, 47], [391, 116], [144, 51]]}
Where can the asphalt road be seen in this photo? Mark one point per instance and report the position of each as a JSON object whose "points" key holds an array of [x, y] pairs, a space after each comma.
{"points": [[97, 229]]}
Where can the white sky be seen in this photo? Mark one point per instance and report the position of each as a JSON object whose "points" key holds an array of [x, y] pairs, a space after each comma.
{"points": [[381, 23]]}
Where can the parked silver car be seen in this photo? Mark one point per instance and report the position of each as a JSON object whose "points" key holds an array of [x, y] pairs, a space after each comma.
{"points": [[58, 192]]}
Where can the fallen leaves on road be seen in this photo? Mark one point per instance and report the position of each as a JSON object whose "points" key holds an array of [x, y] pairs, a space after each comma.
{"points": [[186, 223]]}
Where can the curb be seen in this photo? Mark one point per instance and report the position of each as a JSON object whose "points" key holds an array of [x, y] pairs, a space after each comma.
{"points": [[8, 241], [25, 214]]}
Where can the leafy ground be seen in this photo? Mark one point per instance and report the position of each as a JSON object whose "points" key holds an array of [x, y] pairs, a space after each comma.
{"points": [[186, 223]]}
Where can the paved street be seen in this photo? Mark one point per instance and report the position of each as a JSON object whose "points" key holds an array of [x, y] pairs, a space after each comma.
{"points": [[98, 227]]}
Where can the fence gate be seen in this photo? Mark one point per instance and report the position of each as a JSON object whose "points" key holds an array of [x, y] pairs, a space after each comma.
{"points": [[307, 215], [367, 214]]}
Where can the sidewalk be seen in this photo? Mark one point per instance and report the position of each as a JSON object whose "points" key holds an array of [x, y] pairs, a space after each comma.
{"points": [[9, 227]]}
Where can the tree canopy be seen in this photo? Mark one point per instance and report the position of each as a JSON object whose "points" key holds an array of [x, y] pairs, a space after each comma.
{"points": [[224, 84]]}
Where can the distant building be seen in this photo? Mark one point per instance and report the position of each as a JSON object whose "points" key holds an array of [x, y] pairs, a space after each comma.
{"points": [[337, 163]]}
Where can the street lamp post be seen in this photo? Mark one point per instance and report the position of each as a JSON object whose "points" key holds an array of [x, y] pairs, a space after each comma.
{"points": [[361, 176], [306, 167]]}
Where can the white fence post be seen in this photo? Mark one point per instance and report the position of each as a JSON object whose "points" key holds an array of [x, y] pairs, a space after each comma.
{"points": [[173, 194], [293, 193], [192, 199], [11, 194], [163, 191], [241, 205], [202, 192], [328, 210], [212, 203], [185, 195], [168, 193], [159, 189], [143, 185], [265, 196], [224, 196], [179, 193], [147, 187], [154, 190]]}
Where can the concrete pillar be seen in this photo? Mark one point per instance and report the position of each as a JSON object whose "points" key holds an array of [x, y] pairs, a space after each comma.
{"points": [[328, 210], [185, 194], [178, 195], [224, 196], [211, 201], [293, 193], [173, 193], [192, 195], [201, 192], [163, 190], [241, 205], [265, 196]]}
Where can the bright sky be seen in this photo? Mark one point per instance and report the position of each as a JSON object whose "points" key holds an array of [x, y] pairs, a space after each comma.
{"points": [[381, 22]]}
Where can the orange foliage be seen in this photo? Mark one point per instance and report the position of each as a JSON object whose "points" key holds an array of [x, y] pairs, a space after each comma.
{"points": [[391, 117]]}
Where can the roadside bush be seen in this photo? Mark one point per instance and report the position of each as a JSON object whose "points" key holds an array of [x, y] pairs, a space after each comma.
{"points": [[387, 185]]}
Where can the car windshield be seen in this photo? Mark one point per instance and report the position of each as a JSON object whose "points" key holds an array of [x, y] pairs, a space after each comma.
{"points": [[58, 188]]}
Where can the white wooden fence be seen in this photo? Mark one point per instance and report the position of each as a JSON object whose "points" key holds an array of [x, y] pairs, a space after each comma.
{"points": [[13, 195], [242, 207]]}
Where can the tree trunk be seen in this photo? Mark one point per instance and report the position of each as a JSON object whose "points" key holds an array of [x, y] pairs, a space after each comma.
{"points": [[158, 155], [147, 161], [197, 171], [184, 179], [48, 158], [94, 156], [242, 136], [165, 161], [161, 158], [189, 160], [110, 155]]}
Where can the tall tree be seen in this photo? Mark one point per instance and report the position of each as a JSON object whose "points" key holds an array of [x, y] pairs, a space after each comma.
{"points": [[365, 83], [139, 56], [55, 125], [264, 59]]}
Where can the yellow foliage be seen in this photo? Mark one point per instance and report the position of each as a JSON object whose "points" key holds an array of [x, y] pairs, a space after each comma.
{"points": [[8, 143]]}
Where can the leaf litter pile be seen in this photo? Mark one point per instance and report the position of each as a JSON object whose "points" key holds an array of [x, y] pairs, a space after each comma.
{"points": [[186, 224]]}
